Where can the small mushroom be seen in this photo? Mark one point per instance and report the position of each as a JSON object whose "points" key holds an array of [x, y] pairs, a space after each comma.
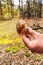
{"points": [[21, 26]]}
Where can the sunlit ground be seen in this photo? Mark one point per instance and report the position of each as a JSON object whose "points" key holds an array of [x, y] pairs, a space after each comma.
{"points": [[8, 33]]}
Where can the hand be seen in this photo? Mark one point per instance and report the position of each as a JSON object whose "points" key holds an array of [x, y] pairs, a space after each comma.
{"points": [[36, 44]]}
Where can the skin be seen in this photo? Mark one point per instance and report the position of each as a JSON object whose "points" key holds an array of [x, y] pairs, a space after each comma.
{"points": [[33, 40]]}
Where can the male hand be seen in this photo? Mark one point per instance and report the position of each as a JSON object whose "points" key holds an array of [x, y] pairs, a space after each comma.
{"points": [[36, 44]]}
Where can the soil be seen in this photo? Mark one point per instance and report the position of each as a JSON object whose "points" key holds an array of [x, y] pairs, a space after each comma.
{"points": [[19, 58]]}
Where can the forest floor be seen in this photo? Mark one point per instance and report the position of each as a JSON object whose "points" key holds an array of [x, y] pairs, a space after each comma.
{"points": [[12, 49]]}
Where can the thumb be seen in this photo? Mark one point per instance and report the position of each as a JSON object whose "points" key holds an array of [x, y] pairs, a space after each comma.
{"points": [[32, 32]]}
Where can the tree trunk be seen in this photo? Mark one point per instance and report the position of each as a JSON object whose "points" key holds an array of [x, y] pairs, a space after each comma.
{"points": [[28, 8], [12, 9], [40, 8], [0, 8]]}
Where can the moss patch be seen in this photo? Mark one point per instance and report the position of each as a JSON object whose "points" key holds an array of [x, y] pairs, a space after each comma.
{"points": [[8, 49], [27, 53]]}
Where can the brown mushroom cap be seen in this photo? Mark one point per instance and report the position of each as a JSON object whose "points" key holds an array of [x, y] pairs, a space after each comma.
{"points": [[20, 26]]}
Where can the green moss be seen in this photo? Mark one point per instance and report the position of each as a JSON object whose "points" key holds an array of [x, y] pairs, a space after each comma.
{"points": [[27, 53], [15, 49], [22, 46], [8, 49]]}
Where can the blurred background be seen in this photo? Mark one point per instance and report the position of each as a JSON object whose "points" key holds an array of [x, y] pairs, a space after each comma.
{"points": [[30, 8], [12, 49]]}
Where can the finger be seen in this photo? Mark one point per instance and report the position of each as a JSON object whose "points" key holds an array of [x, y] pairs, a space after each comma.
{"points": [[32, 32], [30, 44], [27, 41], [29, 36]]}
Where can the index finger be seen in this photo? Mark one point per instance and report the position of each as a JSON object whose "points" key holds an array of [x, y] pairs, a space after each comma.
{"points": [[26, 40]]}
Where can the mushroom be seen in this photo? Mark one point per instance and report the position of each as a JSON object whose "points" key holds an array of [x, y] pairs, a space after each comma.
{"points": [[21, 26]]}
